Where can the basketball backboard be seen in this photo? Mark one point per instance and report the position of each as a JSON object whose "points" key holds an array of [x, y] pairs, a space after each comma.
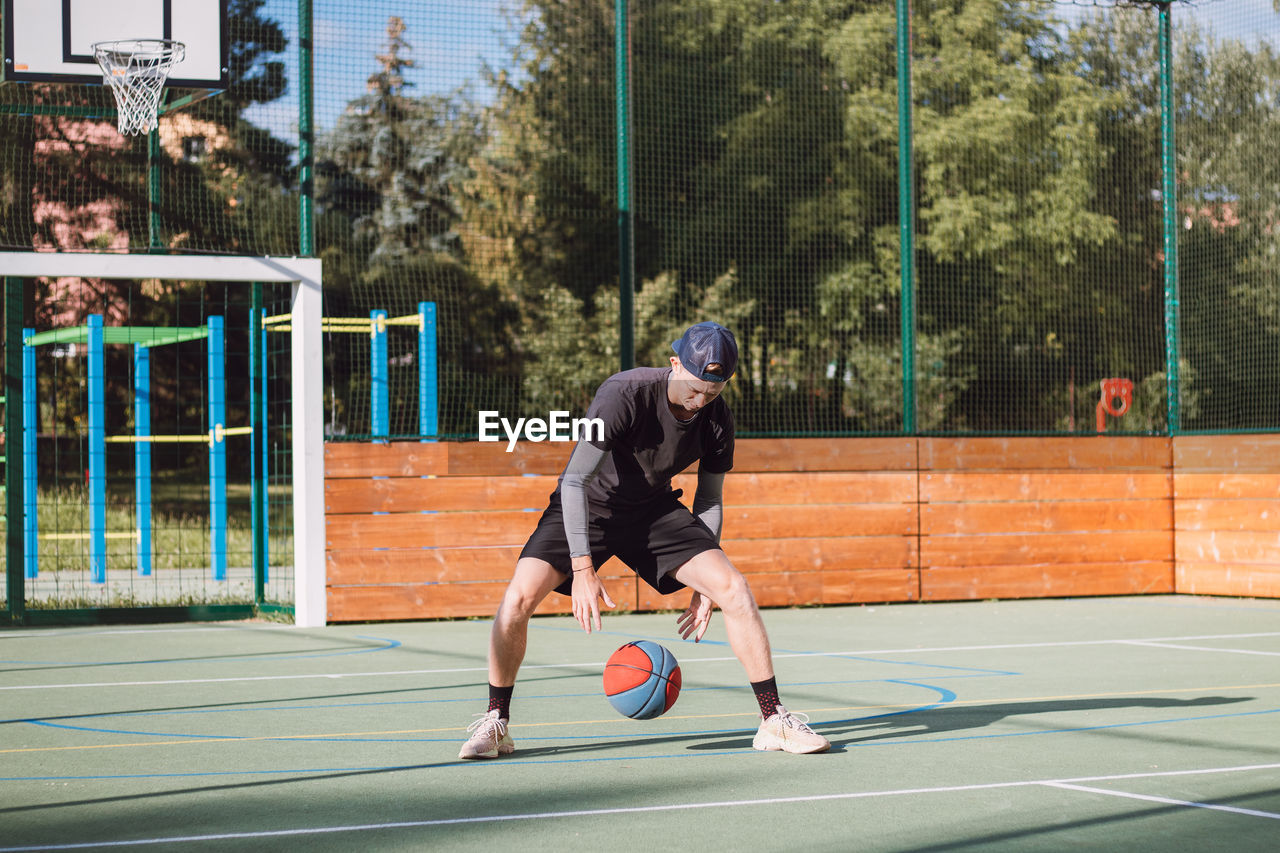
{"points": [[51, 40]]}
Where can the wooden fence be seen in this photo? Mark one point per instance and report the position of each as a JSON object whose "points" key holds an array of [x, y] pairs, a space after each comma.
{"points": [[427, 530]]}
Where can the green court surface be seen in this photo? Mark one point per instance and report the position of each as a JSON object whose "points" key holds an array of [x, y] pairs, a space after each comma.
{"points": [[1143, 723]]}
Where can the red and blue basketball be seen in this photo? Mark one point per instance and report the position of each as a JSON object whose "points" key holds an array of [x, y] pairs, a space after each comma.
{"points": [[642, 680]]}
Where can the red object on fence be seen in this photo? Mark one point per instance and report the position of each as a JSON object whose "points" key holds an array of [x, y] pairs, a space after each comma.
{"points": [[1113, 390]]}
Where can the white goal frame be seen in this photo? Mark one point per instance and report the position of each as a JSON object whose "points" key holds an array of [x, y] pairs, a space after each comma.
{"points": [[307, 356]]}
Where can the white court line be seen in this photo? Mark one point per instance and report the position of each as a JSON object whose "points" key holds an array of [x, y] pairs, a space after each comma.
{"points": [[769, 801], [1157, 645], [102, 632], [1164, 800], [595, 664], [322, 675]]}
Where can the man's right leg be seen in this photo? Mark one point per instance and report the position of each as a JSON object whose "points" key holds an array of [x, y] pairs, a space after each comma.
{"points": [[533, 580]]}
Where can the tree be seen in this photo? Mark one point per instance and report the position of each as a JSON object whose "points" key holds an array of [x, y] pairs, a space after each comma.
{"points": [[1228, 135], [544, 205], [389, 177], [766, 140]]}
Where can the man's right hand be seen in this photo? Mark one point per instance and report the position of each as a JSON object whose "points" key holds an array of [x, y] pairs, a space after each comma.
{"points": [[587, 590]]}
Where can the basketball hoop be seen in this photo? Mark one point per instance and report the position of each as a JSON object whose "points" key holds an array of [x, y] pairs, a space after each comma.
{"points": [[136, 69]]}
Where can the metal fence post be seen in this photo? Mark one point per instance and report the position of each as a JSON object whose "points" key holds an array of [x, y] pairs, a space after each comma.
{"points": [[906, 220]]}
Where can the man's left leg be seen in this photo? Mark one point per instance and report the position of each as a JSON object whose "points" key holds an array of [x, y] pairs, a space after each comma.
{"points": [[712, 575]]}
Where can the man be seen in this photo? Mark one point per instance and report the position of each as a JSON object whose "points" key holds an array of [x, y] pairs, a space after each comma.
{"points": [[615, 499]]}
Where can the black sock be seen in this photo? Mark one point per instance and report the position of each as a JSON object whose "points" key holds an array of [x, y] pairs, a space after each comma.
{"points": [[767, 696], [500, 698]]}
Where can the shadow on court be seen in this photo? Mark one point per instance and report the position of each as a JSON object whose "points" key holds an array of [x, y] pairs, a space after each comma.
{"points": [[950, 719], [1122, 825], [258, 784], [908, 724]]}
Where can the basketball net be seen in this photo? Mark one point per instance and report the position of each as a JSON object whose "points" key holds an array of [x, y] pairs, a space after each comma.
{"points": [[136, 69]]}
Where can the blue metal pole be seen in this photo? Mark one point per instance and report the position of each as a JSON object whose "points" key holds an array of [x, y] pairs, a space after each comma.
{"points": [[142, 452], [217, 451], [428, 389], [379, 391], [30, 520], [97, 454]]}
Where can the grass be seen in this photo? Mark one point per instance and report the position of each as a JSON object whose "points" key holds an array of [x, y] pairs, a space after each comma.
{"points": [[179, 529]]}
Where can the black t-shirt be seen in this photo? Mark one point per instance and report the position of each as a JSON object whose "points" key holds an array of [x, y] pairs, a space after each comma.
{"points": [[647, 446]]}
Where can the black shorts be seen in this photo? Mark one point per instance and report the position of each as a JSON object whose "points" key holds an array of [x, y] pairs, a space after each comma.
{"points": [[653, 543]]}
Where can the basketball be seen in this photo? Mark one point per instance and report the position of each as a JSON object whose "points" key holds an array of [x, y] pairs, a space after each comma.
{"points": [[642, 680]]}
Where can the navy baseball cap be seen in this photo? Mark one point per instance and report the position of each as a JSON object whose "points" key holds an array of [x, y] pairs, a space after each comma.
{"points": [[707, 343]]}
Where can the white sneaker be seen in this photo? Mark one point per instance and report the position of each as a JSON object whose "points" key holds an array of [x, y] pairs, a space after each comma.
{"points": [[790, 733], [489, 738]]}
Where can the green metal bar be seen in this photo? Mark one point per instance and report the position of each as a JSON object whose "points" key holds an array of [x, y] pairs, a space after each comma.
{"points": [[154, 223], [140, 615], [147, 336], [73, 335], [306, 133], [906, 220], [160, 337], [14, 531], [55, 110], [626, 236], [1169, 197], [187, 100], [257, 460]]}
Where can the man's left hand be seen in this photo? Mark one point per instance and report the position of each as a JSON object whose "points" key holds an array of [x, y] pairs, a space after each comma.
{"points": [[696, 617]]}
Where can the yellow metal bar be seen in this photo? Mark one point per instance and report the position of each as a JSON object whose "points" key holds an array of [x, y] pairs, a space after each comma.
{"points": [[280, 323], [277, 319], [325, 327], [176, 439], [124, 534]]}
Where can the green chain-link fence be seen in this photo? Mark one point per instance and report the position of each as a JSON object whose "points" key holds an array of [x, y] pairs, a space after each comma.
{"points": [[467, 154]]}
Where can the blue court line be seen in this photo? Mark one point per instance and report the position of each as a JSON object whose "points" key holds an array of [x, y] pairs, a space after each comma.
{"points": [[389, 644], [830, 655], [216, 773], [461, 700], [974, 669], [48, 725], [945, 697], [906, 740], [443, 765], [1193, 605]]}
